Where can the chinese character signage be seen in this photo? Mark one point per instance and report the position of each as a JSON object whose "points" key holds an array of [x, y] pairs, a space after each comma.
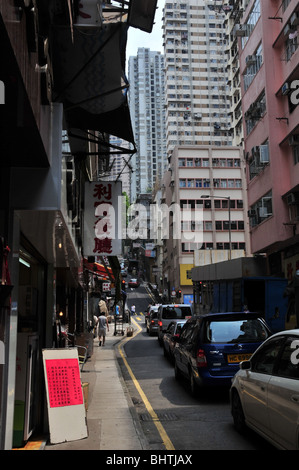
{"points": [[64, 383], [103, 218], [66, 408]]}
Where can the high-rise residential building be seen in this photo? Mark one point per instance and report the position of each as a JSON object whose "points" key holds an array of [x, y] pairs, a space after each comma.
{"points": [[147, 109], [197, 93]]}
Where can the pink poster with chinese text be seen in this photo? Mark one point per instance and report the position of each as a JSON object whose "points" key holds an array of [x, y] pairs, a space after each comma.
{"points": [[64, 382]]}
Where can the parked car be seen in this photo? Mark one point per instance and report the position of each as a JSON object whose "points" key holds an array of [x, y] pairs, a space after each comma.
{"points": [[211, 347], [152, 321], [170, 312], [265, 391], [171, 336], [133, 283]]}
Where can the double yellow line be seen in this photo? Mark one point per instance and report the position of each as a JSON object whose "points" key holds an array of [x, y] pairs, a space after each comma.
{"points": [[166, 441]]}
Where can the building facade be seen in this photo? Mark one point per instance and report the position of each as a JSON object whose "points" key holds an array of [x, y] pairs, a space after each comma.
{"points": [[204, 192], [233, 14], [269, 68]]}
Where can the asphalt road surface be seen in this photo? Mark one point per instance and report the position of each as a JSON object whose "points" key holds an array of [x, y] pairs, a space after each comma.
{"points": [[181, 421]]}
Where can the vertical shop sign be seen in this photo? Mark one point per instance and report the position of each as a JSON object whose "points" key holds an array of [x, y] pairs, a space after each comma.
{"points": [[67, 416], [103, 219]]}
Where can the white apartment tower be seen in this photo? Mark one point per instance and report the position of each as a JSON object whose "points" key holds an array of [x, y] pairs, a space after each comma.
{"points": [[197, 93], [147, 109]]}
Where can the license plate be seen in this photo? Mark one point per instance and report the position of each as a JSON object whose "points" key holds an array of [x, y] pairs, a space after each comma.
{"points": [[235, 358]]}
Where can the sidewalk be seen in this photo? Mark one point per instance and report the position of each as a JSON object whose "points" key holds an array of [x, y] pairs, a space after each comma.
{"points": [[111, 418]]}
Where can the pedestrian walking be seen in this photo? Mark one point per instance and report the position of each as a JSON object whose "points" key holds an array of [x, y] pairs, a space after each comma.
{"points": [[133, 309], [103, 326]]}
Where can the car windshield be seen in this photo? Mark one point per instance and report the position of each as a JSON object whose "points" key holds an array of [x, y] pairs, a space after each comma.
{"points": [[235, 331], [176, 312]]}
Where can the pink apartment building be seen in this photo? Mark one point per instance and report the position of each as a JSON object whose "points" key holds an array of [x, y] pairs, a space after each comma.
{"points": [[269, 66]]}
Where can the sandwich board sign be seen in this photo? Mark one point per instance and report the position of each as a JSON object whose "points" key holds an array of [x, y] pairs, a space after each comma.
{"points": [[66, 409]]}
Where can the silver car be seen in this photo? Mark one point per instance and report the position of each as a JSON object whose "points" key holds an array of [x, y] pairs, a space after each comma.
{"points": [[152, 321], [265, 391]]}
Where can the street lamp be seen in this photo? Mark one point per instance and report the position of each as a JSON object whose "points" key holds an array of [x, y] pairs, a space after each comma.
{"points": [[207, 196]]}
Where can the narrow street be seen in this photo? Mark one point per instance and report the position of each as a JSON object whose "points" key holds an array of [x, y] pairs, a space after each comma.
{"points": [[202, 423]]}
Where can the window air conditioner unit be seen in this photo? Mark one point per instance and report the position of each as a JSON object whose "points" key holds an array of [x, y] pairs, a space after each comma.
{"points": [[285, 89], [250, 60], [241, 30], [264, 154]]}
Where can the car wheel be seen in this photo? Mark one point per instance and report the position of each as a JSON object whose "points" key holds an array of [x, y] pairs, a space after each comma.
{"points": [[237, 413]]}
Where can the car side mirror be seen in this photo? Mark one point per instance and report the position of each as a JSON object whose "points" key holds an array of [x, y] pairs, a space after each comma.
{"points": [[245, 365]]}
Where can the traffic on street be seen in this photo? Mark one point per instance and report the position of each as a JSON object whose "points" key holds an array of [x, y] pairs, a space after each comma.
{"points": [[186, 421]]}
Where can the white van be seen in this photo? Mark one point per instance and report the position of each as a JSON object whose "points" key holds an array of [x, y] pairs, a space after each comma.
{"points": [[170, 312]]}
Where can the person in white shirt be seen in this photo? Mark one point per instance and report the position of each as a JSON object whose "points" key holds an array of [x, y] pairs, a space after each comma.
{"points": [[103, 326]]}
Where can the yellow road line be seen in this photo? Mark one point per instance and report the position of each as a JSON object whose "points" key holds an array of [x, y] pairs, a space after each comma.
{"points": [[166, 441]]}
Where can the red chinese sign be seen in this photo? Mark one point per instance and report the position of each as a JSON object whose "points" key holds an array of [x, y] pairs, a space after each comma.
{"points": [[101, 219], [64, 383]]}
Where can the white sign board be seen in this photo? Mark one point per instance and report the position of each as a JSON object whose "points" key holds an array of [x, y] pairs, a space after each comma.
{"points": [[67, 415], [106, 286], [104, 218]]}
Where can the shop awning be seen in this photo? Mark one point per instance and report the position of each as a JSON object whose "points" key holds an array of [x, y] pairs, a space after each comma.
{"points": [[89, 78], [99, 270]]}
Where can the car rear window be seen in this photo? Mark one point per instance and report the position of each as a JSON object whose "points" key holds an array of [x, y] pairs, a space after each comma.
{"points": [[235, 331], [176, 312]]}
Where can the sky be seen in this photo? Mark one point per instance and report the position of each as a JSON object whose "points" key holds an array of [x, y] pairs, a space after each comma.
{"points": [[153, 40]]}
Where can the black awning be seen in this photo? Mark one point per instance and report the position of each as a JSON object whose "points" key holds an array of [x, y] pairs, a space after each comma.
{"points": [[116, 122], [89, 78]]}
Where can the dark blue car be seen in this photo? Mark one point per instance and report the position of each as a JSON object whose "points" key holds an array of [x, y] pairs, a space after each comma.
{"points": [[211, 346]]}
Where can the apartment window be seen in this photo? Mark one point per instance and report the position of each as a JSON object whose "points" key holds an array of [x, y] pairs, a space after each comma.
{"points": [[252, 19], [258, 159], [255, 112], [224, 183], [190, 247], [291, 45], [296, 154], [253, 64]]}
